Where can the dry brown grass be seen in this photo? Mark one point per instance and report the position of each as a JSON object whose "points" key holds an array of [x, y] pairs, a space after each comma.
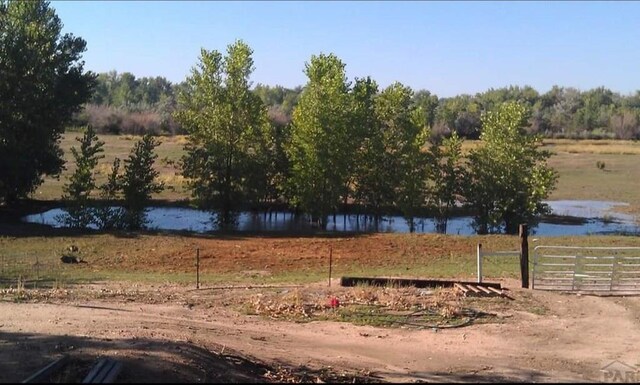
{"points": [[363, 304], [618, 147]]}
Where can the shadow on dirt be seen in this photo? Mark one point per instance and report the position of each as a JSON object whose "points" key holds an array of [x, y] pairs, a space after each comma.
{"points": [[473, 376], [147, 360]]}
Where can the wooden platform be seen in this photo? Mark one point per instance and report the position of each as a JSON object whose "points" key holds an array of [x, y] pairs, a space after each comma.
{"points": [[404, 282]]}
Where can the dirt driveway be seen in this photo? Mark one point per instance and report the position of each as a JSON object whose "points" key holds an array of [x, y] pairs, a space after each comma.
{"points": [[167, 334]]}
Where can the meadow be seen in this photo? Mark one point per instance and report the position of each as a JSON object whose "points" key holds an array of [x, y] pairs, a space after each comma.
{"points": [[574, 160]]}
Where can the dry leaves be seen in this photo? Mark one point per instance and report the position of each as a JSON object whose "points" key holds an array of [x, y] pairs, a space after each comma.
{"points": [[305, 303]]}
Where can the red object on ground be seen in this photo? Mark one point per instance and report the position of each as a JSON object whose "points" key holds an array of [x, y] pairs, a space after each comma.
{"points": [[335, 302]]}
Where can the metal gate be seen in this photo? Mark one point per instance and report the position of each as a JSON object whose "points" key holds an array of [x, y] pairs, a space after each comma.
{"points": [[587, 269]]}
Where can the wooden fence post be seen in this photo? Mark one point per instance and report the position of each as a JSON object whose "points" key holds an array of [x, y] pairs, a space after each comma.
{"points": [[197, 268], [330, 263], [524, 256], [479, 261]]}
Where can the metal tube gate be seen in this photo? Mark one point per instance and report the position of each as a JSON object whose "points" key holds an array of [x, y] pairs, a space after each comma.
{"points": [[589, 269]]}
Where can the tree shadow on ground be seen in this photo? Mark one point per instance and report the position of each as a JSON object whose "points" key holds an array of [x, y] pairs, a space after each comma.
{"points": [[485, 375], [146, 360]]}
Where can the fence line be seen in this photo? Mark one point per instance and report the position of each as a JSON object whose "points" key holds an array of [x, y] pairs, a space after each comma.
{"points": [[480, 254], [28, 269]]}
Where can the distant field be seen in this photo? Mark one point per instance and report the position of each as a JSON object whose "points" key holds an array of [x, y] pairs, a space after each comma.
{"points": [[611, 147], [574, 160], [169, 153], [579, 178]]}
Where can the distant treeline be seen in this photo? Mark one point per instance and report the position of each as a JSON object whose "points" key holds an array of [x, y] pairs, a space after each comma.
{"points": [[124, 104]]}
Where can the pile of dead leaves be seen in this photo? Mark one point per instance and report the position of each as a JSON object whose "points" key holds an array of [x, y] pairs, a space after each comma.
{"points": [[289, 305]]}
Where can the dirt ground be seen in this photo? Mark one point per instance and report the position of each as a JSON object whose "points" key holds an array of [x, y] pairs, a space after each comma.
{"points": [[174, 334]]}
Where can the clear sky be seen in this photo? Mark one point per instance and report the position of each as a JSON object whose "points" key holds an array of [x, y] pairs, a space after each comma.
{"points": [[448, 48]]}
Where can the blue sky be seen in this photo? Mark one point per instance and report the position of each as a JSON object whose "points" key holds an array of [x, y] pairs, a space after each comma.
{"points": [[448, 48]]}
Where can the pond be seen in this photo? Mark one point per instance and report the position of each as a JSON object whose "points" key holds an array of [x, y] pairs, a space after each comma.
{"points": [[598, 215]]}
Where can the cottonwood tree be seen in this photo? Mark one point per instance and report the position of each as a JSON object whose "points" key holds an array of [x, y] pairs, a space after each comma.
{"points": [[428, 103], [447, 178], [509, 174], [43, 85], [322, 144], [404, 136], [270, 167], [224, 120], [375, 171]]}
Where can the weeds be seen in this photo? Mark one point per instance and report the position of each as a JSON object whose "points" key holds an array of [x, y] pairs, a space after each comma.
{"points": [[367, 305]]}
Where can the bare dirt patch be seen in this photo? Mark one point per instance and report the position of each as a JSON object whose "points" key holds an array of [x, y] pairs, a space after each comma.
{"points": [[166, 333]]}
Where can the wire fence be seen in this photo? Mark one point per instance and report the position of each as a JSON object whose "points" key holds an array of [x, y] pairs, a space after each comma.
{"points": [[30, 270]]}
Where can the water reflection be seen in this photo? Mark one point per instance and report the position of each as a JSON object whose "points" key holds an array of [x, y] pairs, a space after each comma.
{"points": [[187, 219]]}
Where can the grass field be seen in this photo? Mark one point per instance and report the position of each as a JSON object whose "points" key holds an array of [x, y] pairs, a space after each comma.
{"points": [[260, 259], [579, 178], [574, 160], [169, 153]]}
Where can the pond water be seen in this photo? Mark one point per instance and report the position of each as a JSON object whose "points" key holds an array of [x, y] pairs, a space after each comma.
{"points": [[599, 219]]}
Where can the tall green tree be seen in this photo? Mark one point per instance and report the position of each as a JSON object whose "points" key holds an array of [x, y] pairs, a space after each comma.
{"points": [[509, 174], [224, 120], [375, 171], [42, 85], [139, 180], [428, 103], [270, 166], [447, 179], [405, 135], [105, 215], [322, 146], [82, 182]]}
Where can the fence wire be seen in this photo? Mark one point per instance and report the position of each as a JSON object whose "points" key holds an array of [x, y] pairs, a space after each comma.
{"points": [[30, 270]]}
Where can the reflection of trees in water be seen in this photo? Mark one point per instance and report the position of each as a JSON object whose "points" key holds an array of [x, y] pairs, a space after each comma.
{"points": [[103, 218], [186, 219], [76, 216], [135, 219]]}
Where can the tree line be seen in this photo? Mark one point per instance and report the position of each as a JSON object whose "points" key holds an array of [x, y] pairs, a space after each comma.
{"points": [[350, 143], [336, 143], [124, 104]]}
